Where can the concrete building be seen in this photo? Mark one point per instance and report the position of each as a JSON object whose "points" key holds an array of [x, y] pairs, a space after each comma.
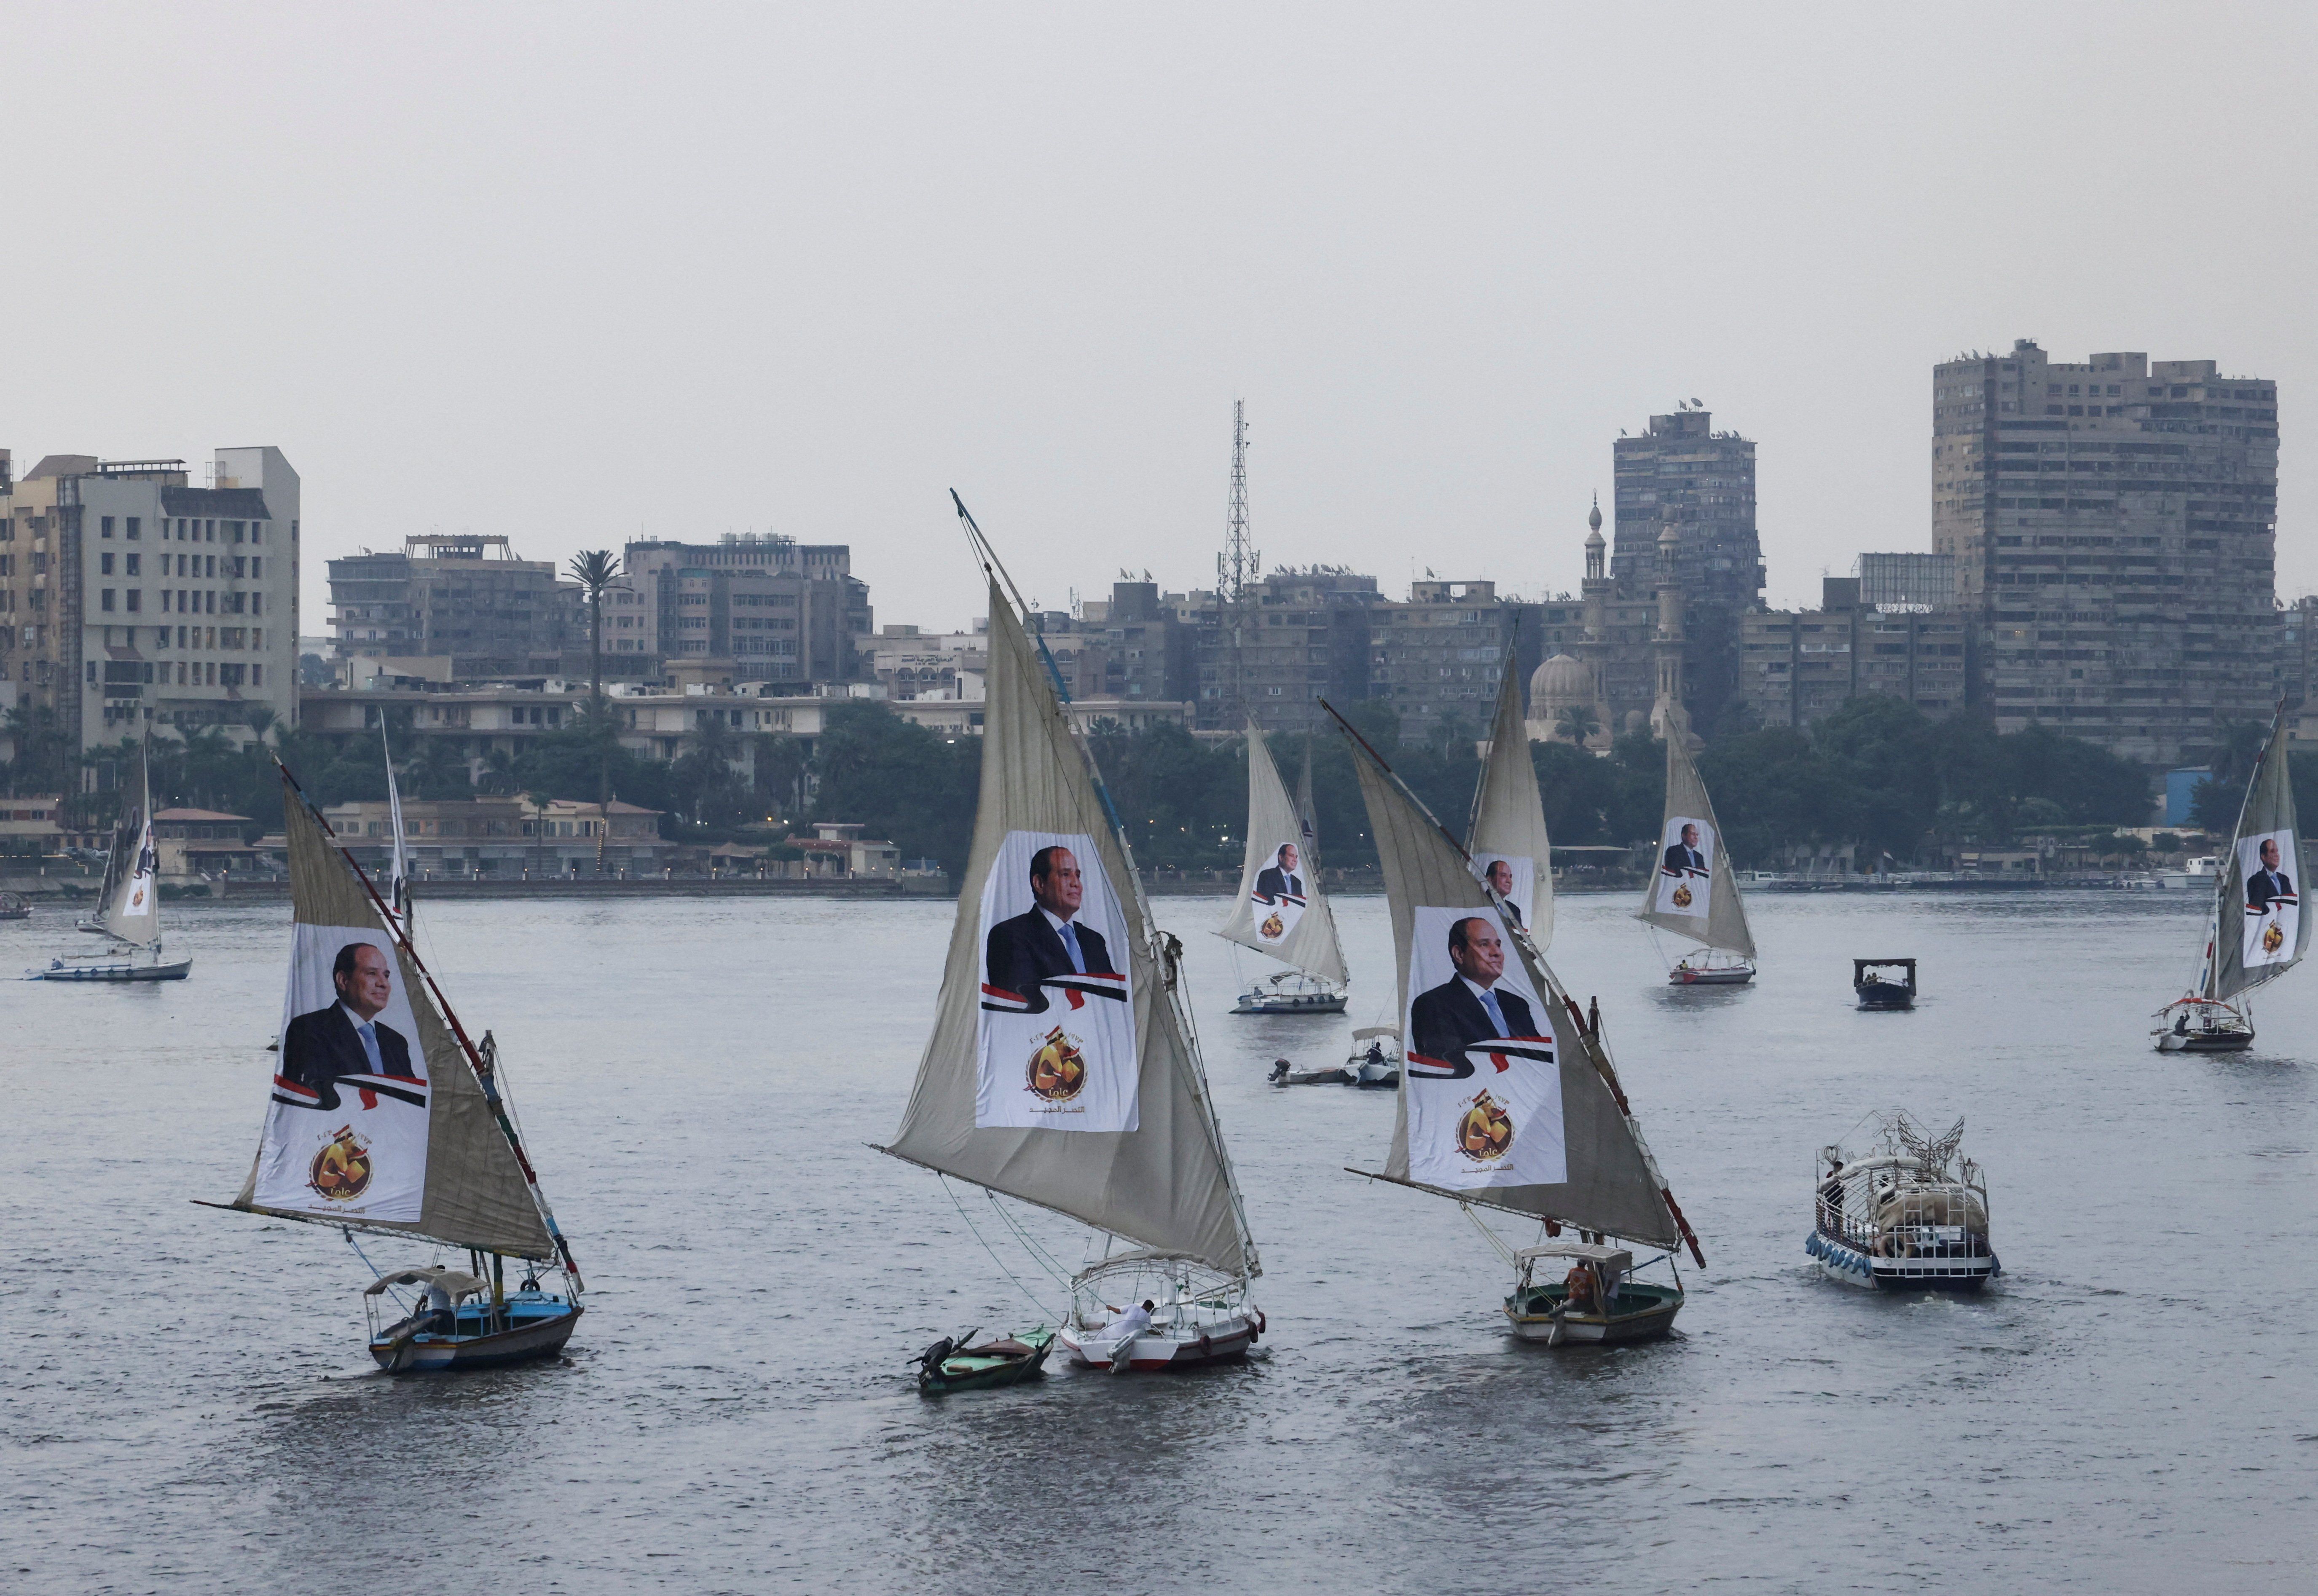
{"points": [[204, 842], [130, 598], [778, 610], [1796, 666], [463, 601], [1439, 655], [507, 836], [1298, 637], [1608, 654], [2112, 524], [1682, 476]]}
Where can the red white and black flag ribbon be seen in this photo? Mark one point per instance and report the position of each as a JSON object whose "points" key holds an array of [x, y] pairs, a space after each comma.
{"points": [[1076, 989], [406, 1089], [1496, 1052]]}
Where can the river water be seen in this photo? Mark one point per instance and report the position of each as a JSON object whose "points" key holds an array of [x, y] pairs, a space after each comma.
{"points": [[187, 1406]]}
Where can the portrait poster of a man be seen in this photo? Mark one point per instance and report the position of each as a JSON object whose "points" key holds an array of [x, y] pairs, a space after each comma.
{"points": [[1483, 1076], [1685, 867], [1514, 878], [346, 1132], [1280, 897], [2273, 907], [1056, 1035]]}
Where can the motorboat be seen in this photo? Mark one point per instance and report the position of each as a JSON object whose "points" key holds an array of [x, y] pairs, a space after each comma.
{"points": [[1374, 1062], [1611, 1306], [15, 906], [1884, 984], [959, 1365], [1906, 1211], [1284, 1073]]}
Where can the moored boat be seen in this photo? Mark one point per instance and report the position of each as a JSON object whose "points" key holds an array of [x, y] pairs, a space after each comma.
{"points": [[1062, 1071], [1907, 1213], [2256, 932]]}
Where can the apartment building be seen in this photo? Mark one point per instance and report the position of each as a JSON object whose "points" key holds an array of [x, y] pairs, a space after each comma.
{"points": [[1296, 638], [1683, 475], [1796, 666], [463, 601], [1439, 655], [130, 598], [2114, 527], [778, 610]]}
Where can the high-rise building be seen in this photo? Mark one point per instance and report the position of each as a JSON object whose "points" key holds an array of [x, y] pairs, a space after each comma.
{"points": [[1683, 476], [1796, 666], [767, 607], [1294, 638], [463, 602], [130, 598], [2113, 525]]}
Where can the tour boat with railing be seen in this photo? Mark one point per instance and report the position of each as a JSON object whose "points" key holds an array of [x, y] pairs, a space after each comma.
{"points": [[1907, 1213]]}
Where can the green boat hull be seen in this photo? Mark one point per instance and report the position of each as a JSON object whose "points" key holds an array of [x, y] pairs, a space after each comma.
{"points": [[982, 1369]]}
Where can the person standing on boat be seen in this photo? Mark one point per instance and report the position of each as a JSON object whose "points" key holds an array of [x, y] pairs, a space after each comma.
{"points": [[1468, 1008], [1047, 940], [348, 1038], [1124, 1332]]}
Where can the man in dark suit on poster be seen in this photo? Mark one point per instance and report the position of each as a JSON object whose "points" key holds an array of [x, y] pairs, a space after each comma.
{"points": [[1684, 857], [1278, 879], [348, 1038], [1468, 1008], [2269, 883], [1047, 940]]}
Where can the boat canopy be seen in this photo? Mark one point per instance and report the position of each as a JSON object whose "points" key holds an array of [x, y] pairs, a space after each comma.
{"points": [[457, 1282], [1365, 1032], [1616, 1258]]}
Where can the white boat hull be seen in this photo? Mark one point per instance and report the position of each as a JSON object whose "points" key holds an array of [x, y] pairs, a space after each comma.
{"points": [[118, 970], [1217, 1342], [1852, 1267], [1710, 975]]}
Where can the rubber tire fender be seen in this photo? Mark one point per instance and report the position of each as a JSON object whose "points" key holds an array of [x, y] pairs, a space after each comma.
{"points": [[1207, 1344]]}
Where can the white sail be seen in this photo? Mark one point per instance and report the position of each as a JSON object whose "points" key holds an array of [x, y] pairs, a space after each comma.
{"points": [[1518, 1109], [1693, 891], [2260, 930], [1279, 908], [382, 1115], [1060, 1070], [132, 898], [398, 867], [1508, 825]]}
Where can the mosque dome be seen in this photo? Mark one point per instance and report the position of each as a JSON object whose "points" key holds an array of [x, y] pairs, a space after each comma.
{"points": [[1557, 685]]}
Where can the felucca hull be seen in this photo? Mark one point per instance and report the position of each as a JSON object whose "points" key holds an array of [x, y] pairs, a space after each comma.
{"points": [[1262, 1002], [2204, 1042], [115, 973], [1648, 1314], [1218, 1343], [1714, 976], [525, 1341]]}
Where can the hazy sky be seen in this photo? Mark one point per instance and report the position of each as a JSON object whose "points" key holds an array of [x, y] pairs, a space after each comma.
{"points": [[575, 273]]}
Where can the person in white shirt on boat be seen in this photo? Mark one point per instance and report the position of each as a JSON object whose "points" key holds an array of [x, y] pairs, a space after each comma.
{"points": [[442, 1311], [1123, 1331]]}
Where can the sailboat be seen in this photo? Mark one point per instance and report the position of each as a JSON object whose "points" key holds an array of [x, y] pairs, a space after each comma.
{"points": [[1280, 909], [1508, 1099], [2256, 932], [398, 861], [129, 904], [1692, 892], [1063, 1070], [1506, 836], [386, 1118]]}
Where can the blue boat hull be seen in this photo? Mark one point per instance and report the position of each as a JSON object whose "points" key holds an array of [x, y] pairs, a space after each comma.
{"points": [[532, 1335]]}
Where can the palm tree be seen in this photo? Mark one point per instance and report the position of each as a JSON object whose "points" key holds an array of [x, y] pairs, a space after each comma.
{"points": [[1578, 723], [598, 572]]}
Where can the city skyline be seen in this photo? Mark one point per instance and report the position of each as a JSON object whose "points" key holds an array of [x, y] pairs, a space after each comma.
{"points": [[915, 252]]}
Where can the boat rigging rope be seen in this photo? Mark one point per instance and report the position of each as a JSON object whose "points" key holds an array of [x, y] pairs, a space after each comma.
{"points": [[374, 1270], [1038, 1255], [987, 1247]]}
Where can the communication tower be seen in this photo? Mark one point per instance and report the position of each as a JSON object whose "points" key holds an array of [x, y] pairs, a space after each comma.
{"points": [[1238, 570]]}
